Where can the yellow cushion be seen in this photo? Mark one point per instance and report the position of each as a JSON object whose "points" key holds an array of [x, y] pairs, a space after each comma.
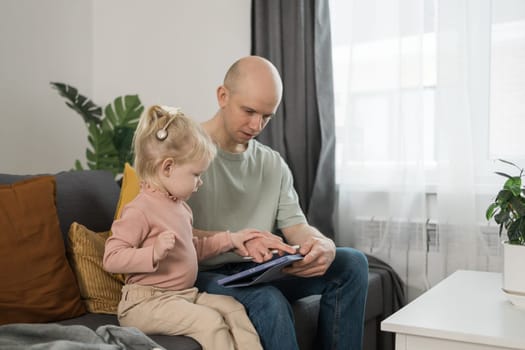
{"points": [[36, 281], [129, 189], [99, 289]]}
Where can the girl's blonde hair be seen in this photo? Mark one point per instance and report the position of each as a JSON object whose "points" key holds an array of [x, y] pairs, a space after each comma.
{"points": [[165, 132]]}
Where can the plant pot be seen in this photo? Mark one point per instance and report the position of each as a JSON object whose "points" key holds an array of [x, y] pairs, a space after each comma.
{"points": [[513, 273]]}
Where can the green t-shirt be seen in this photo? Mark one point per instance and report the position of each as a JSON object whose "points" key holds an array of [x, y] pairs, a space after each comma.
{"points": [[253, 189]]}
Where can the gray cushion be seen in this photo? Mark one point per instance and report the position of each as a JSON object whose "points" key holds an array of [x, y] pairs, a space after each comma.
{"points": [[306, 313], [374, 298], [88, 197]]}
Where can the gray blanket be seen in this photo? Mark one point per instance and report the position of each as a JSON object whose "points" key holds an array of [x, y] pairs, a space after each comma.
{"points": [[52, 336]]}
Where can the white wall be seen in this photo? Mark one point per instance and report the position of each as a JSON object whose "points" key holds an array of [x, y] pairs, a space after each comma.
{"points": [[166, 51]]}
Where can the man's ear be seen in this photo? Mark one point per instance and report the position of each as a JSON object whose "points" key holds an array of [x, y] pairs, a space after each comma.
{"points": [[222, 96], [167, 165]]}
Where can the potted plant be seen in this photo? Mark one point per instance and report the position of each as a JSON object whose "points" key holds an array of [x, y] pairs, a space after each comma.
{"points": [[508, 210], [110, 130]]}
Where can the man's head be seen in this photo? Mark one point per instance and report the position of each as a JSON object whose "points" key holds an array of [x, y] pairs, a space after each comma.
{"points": [[248, 98]]}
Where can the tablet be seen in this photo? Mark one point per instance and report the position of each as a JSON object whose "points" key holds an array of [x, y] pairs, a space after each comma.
{"points": [[265, 272]]}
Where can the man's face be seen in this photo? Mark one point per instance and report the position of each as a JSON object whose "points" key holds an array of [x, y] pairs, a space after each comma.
{"points": [[247, 110]]}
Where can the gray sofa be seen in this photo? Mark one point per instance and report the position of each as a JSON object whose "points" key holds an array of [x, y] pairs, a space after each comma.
{"points": [[90, 198]]}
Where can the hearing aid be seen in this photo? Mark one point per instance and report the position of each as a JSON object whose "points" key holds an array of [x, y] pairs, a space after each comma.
{"points": [[162, 134]]}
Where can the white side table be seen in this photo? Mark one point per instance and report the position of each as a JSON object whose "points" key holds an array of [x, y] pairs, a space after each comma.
{"points": [[467, 310]]}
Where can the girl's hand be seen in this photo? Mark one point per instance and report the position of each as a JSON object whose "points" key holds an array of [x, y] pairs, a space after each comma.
{"points": [[238, 239], [163, 244], [260, 248]]}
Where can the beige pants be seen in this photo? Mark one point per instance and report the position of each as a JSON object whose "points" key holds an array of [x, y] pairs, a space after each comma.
{"points": [[217, 322]]}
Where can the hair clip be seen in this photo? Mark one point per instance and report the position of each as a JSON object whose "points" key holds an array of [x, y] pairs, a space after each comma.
{"points": [[162, 134]]}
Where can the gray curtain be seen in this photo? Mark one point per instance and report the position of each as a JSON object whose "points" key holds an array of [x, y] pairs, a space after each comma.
{"points": [[295, 36]]}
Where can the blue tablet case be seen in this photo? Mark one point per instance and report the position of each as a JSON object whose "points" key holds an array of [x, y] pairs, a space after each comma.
{"points": [[265, 272]]}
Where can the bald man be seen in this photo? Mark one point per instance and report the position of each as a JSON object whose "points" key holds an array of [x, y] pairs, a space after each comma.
{"points": [[249, 185]]}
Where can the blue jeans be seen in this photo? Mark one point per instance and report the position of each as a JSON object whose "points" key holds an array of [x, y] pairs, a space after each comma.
{"points": [[343, 290]]}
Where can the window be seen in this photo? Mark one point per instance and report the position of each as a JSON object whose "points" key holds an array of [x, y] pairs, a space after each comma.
{"points": [[386, 59], [507, 109]]}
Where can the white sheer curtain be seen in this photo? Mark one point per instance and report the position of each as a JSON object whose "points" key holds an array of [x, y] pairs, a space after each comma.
{"points": [[412, 90]]}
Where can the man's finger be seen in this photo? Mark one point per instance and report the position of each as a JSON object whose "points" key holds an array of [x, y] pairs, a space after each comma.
{"points": [[305, 271], [306, 247]]}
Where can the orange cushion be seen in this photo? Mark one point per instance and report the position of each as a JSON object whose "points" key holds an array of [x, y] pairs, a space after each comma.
{"points": [[36, 280]]}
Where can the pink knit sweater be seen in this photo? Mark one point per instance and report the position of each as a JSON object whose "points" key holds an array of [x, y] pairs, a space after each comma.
{"points": [[129, 249]]}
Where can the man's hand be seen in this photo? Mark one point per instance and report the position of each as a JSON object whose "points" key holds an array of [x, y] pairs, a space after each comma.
{"points": [[319, 252], [260, 248]]}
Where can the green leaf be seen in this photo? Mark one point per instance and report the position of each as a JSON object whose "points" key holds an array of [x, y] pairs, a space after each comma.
{"points": [[502, 174], [90, 156], [107, 125], [502, 217], [90, 112], [510, 163], [125, 111], [513, 185], [102, 154], [119, 106], [122, 117], [516, 230], [111, 116], [503, 197], [78, 165], [123, 139], [133, 111], [490, 211], [518, 205], [109, 136]]}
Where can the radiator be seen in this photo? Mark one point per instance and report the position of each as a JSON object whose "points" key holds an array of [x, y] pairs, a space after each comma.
{"points": [[425, 252]]}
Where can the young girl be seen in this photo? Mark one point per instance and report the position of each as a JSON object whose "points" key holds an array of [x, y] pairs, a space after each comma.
{"points": [[152, 241]]}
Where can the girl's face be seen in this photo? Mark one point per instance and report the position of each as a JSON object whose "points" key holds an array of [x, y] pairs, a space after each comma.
{"points": [[181, 180]]}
